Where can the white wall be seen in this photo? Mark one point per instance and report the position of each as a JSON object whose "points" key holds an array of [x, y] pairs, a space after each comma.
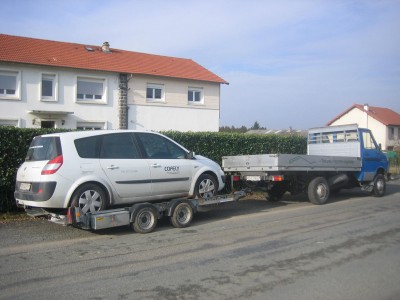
{"points": [[160, 118], [356, 116], [66, 99]]}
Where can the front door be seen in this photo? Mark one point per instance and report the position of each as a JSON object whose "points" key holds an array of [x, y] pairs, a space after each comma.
{"points": [[372, 156], [171, 171]]}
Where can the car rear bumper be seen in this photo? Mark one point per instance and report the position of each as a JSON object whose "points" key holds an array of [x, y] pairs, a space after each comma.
{"points": [[34, 191]]}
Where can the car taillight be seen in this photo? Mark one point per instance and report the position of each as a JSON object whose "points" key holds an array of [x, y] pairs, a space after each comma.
{"points": [[53, 165]]}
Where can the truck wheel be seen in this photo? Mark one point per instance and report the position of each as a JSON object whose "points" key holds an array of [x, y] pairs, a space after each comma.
{"points": [[145, 220], [90, 198], [206, 186], [379, 186], [318, 190], [182, 215]]}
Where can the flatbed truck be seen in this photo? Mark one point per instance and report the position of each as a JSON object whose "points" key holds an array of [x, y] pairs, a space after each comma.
{"points": [[338, 157]]}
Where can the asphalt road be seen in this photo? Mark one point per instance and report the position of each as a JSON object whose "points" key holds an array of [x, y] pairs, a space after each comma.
{"points": [[346, 249]]}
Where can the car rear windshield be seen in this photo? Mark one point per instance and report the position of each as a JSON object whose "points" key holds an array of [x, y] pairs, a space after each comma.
{"points": [[44, 148]]}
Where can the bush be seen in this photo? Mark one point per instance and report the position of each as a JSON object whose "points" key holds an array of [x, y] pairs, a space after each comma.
{"points": [[15, 143]]}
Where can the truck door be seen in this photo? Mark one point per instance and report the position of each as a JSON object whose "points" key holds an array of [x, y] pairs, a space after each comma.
{"points": [[171, 172], [372, 156]]}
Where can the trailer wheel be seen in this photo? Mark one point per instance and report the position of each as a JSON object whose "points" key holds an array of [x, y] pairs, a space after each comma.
{"points": [[206, 186], [182, 215], [379, 186], [318, 191], [90, 198], [145, 220]]}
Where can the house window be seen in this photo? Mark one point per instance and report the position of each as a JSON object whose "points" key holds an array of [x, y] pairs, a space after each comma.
{"points": [[155, 92], [12, 123], [195, 95], [90, 125], [49, 84], [9, 84], [391, 133], [91, 89]]}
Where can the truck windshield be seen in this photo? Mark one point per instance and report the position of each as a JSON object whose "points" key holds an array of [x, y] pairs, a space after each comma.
{"points": [[44, 148]]}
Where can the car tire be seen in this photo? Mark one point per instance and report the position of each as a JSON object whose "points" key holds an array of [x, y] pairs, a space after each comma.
{"points": [[206, 186], [90, 197]]}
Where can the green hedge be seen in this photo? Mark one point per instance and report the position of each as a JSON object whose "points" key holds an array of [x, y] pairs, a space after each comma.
{"points": [[14, 143]]}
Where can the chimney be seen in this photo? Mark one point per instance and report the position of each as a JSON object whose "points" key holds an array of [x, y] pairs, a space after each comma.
{"points": [[366, 107], [106, 47]]}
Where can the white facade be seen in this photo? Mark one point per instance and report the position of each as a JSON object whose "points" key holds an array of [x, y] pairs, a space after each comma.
{"points": [[174, 109], [28, 108], [175, 104], [379, 130]]}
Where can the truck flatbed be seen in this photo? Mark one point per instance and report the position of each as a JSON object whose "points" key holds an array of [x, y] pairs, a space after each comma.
{"points": [[289, 162]]}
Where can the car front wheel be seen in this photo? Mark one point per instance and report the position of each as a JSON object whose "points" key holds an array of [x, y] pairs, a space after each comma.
{"points": [[206, 186]]}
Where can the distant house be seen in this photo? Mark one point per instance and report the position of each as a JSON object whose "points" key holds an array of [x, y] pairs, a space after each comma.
{"points": [[383, 122], [66, 85]]}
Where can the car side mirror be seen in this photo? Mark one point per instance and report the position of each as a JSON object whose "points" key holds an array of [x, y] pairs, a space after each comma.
{"points": [[191, 155], [380, 147]]}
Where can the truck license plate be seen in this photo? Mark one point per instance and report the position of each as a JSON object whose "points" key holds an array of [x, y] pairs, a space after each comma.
{"points": [[253, 178], [25, 186]]}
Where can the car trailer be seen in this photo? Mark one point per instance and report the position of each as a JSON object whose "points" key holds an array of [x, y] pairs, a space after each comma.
{"points": [[143, 217]]}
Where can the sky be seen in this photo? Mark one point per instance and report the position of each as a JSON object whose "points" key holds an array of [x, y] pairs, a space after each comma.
{"points": [[289, 63]]}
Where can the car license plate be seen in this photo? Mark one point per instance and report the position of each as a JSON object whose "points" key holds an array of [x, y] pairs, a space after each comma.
{"points": [[25, 186]]}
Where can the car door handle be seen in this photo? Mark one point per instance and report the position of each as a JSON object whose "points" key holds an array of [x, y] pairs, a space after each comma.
{"points": [[112, 167], [156, 166]]}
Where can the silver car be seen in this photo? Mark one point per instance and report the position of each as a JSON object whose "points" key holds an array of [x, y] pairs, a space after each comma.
{"points": [[100, 169]]}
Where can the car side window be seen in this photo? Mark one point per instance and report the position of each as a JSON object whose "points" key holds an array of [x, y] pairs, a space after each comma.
{"points": [[119, 146], [87, 147], [157, 146]]}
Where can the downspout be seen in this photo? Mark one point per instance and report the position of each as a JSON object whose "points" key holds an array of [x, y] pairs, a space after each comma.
{"points": [[123, 102]]}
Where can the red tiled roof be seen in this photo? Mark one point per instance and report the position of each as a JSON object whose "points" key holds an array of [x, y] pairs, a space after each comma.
{"points": [[60, 54], [384, 115]]}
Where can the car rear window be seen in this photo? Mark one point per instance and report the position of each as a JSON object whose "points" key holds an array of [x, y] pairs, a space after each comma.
{"points": [[44, 148]]}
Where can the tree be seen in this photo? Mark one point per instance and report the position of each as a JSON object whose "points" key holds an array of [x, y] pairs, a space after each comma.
{"points": [[257, 126]]}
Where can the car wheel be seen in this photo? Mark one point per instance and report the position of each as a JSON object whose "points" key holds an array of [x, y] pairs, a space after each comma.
{"points": [[206, 186], [90, 198]]}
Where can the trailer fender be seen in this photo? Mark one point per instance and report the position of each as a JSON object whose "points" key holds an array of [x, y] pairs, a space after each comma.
{"points": [[134, 209], [174, 203]]}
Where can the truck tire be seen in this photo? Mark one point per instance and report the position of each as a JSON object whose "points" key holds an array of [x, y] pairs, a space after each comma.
{"points": [[145, 220], [379, 186], [206, 186], [318, 191], [182, 215], [89, 197]]}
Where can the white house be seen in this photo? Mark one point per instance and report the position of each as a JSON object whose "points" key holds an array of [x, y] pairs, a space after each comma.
{"points": [[65, 85], [383, 122]]}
